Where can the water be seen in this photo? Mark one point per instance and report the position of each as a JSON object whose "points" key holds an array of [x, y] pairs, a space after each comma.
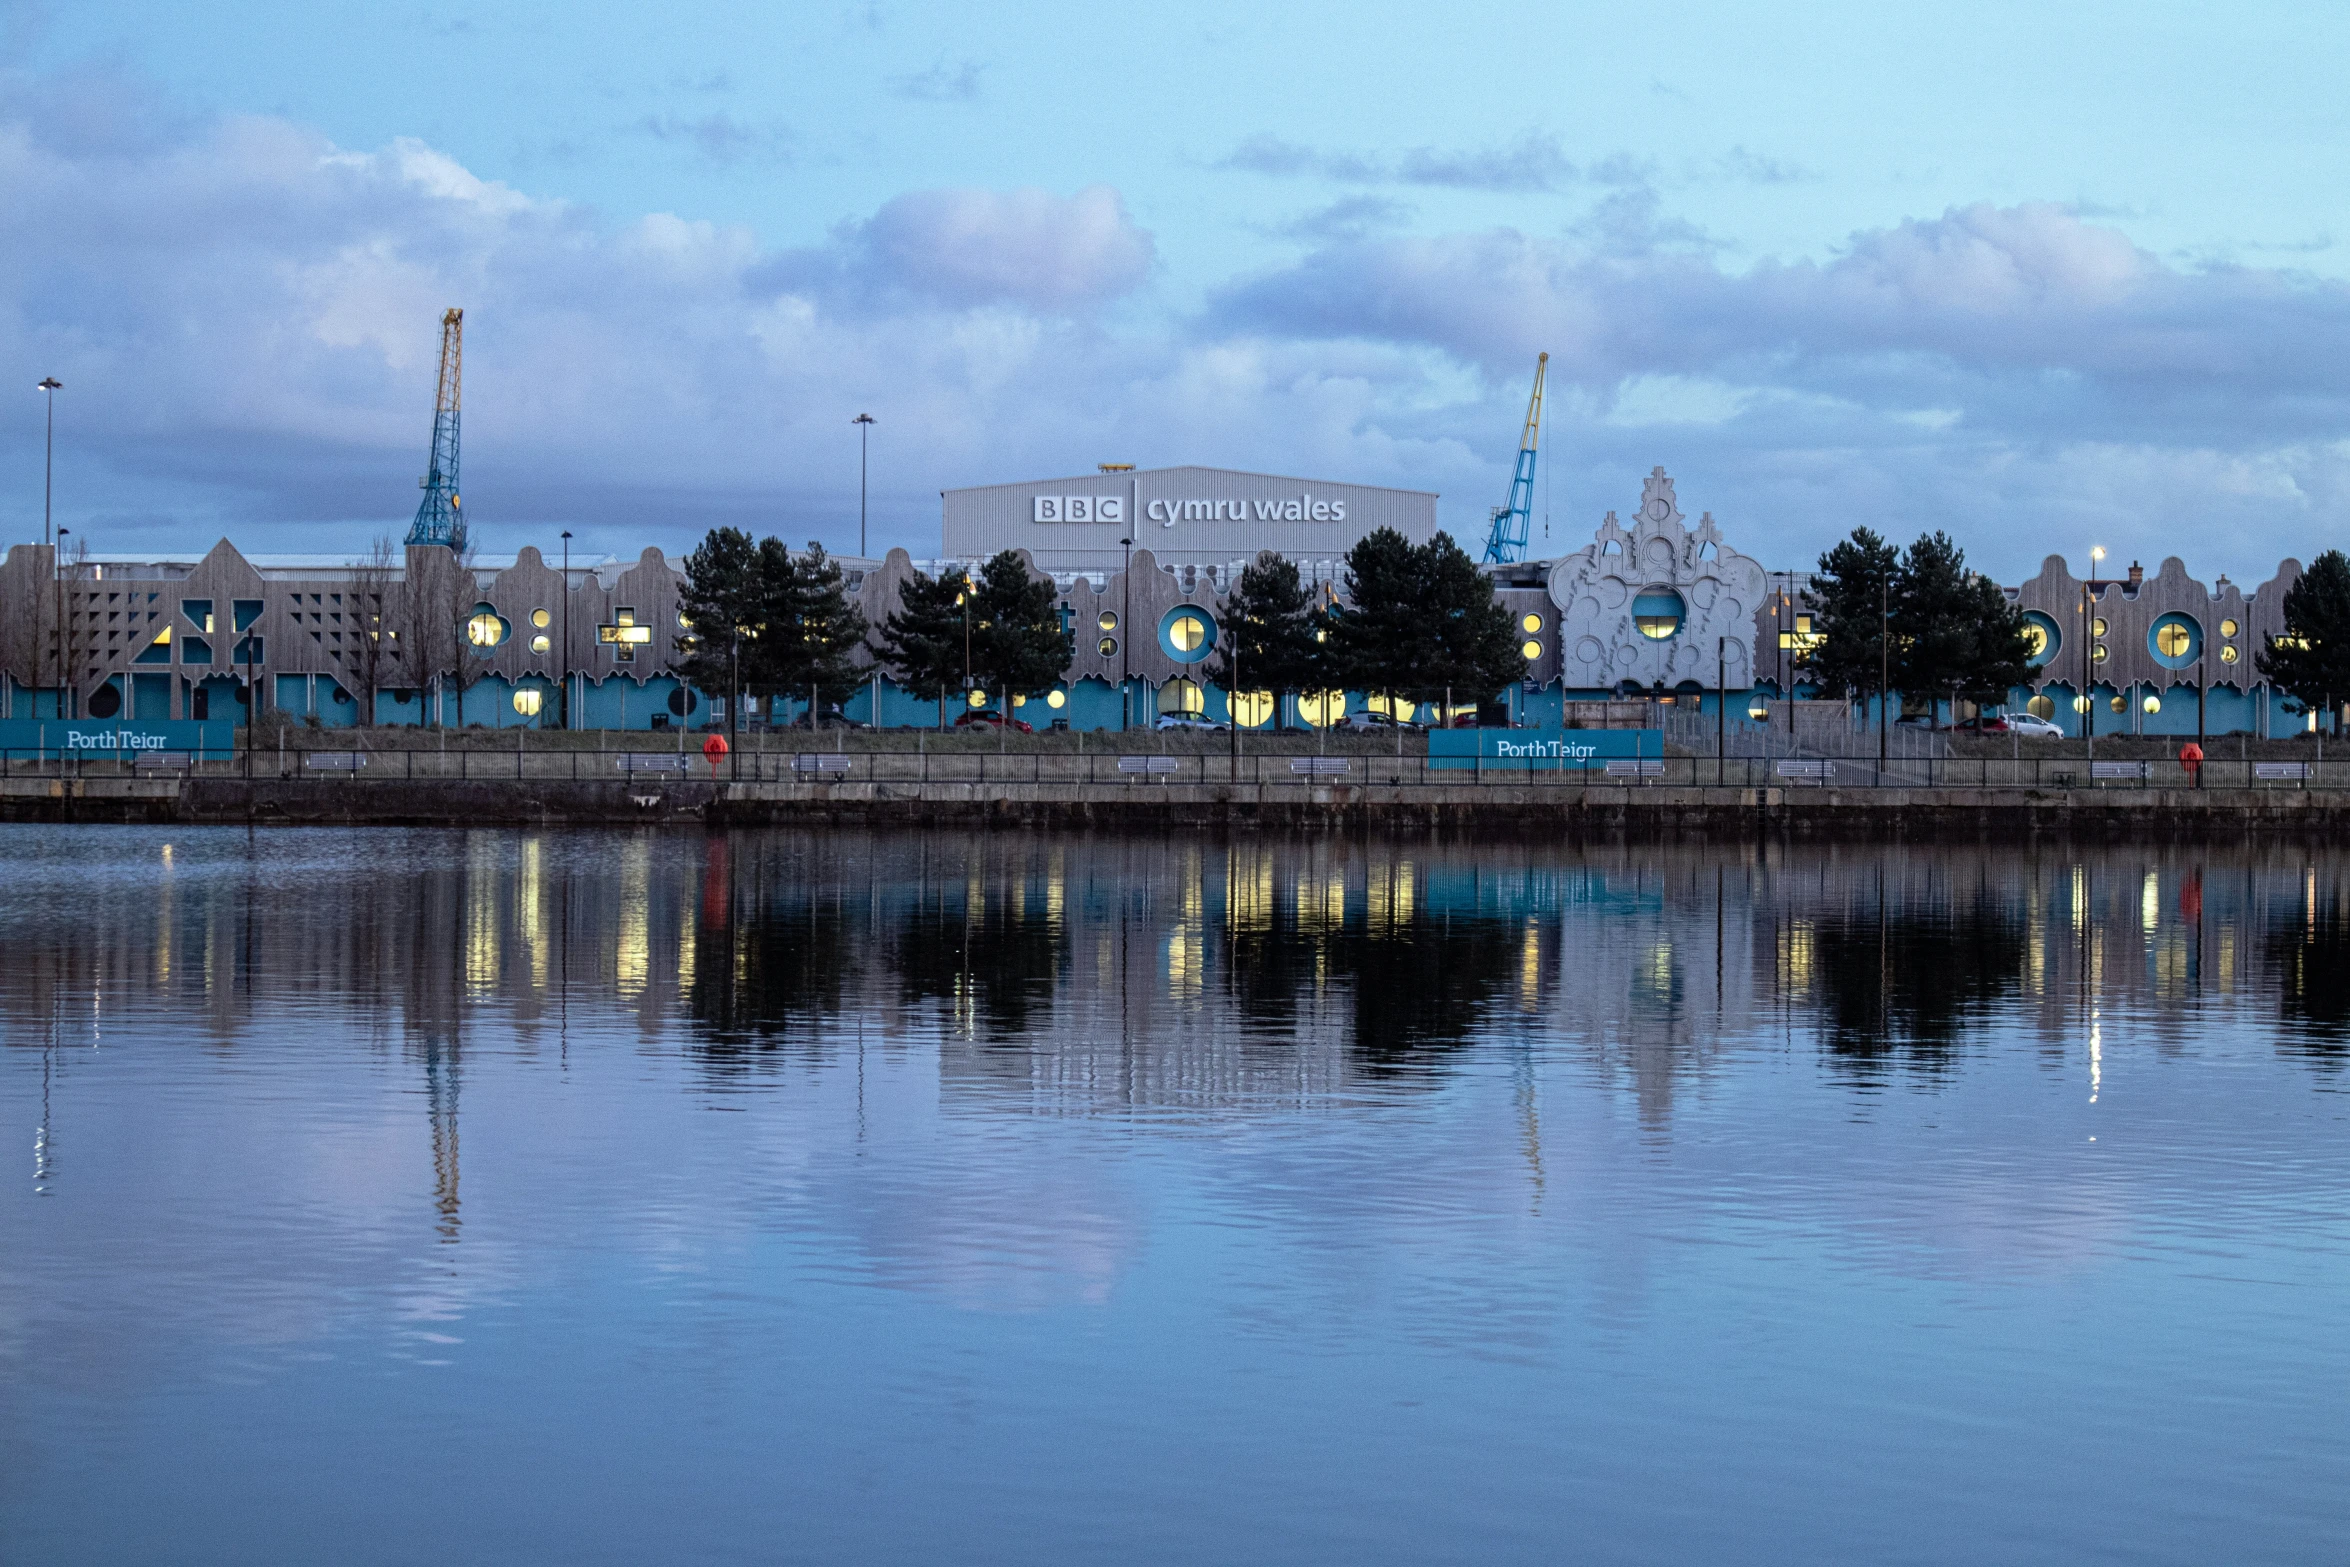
{"points": [[581, 1198]]}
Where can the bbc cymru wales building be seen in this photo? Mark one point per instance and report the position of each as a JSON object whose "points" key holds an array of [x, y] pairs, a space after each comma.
{"points": [[1653, 612]]}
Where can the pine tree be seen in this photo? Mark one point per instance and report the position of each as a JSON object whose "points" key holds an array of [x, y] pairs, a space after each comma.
{"points": [[725, 598], [808, 631], [1270, 624], [1381, 639], [1955, 634], [1018, 645], [1475, 647], [922, 640], [1848, 601], [2311, 660]]}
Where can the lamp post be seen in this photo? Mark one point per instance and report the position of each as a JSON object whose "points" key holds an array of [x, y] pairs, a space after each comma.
{"points": [[1721, 708], [864, 424], [1125, 641], [57, 586], [1884, 663], [567, 628], [52, 386], [2089, 654]]}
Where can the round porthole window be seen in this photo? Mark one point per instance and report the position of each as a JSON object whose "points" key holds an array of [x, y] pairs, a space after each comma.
{"points": [[2175, 640], [2227, 628], [1657, 613], [526, 701], [2041, 639], [2227, 655], [1108, 621], [1187, 635], [1056, 698], [486, 628], [541, 619], [104, 702], [682, 701], [1531, 624], [1530, 651], [1108, 647]]}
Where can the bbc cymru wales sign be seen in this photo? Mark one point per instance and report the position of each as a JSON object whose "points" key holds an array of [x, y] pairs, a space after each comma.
{"points": [[1549, 750], [115, 742], [1080, 508]]}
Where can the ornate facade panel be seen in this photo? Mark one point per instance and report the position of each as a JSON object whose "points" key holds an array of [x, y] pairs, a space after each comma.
{"points": [[1659, 603]]}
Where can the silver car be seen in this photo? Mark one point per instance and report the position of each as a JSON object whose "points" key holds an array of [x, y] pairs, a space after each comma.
{"points": [[2037, 728]]}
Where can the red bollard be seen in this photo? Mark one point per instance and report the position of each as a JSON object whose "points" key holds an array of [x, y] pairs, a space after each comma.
{"points": [[714, 749], [2191, 758]]}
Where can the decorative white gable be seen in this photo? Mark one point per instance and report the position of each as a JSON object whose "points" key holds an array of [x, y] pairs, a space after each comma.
{"points": [[1605, 591]]}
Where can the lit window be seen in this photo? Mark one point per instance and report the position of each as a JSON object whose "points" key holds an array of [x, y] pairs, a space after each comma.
{"points": [[1182, 696], [2041, 707], [2227, 628], [1657, 613], [1321, 708], [2154, 704], [1018, 700], [487, 628], [1187, 632], [1531, 650], [540, 618], [2227, 655], [683, 624], [1531, 624], [2099, 655], [1109, 645], [2120, 704], [624, 636], [539, 644], [2172, 639], [1056, 699], [1252, 709], [198, 611], [526, 701], [2097, 628], [979, 699], [1108, 622]]}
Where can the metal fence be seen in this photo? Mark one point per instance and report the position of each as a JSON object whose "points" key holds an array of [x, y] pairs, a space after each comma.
{"points": [[1115, 769]]}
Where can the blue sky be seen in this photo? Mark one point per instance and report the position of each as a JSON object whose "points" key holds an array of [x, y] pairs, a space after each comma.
{"points": [[2043, 276]]}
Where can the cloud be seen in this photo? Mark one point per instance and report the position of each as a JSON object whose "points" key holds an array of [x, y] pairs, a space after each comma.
{"points": [[721, 138], [941, 83], [1532, 164], [244, 315]]}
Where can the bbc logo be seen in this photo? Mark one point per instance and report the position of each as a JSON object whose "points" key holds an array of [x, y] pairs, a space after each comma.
{"points": [[1080, 508]]}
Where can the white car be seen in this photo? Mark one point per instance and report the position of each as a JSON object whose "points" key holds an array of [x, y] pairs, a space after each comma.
{"points": [[1179, 721], [2037, 728]]}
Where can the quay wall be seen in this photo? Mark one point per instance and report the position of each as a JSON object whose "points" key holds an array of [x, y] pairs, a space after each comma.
{"points": [[1545, 812]]}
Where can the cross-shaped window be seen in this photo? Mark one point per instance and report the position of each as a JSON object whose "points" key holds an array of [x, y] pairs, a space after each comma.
{"points": [[624, 635]]}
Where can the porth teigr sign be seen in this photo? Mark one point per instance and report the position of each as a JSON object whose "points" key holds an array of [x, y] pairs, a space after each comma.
{"points": [[1545, 750]]}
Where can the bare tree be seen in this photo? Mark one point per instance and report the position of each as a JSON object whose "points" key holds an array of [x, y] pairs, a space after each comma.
{"points": [[372, 581], [434, 599], [79, 627]]}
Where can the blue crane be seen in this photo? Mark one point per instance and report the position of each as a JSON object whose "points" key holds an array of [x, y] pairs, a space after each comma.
{"points": [[1507, 541], [438, 519]]}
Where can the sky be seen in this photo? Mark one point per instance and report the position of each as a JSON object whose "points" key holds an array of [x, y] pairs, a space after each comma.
{"points": [[2043, 276]]}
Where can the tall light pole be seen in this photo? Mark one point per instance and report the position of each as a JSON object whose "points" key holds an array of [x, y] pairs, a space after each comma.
{"points": [[864, 424], [1125, 640], [1884, 662], [57, 584], [52, 386], [566, 662], [2089, 654]]}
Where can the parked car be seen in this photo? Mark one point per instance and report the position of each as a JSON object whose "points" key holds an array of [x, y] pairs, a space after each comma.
{"points": [[2033, 728], [832, 720], [1369, 723], [1186, 721], [988, 718], [1988, 724]]}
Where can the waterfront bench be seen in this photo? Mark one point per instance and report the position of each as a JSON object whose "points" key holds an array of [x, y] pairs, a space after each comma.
{"points": [[633, 762], [1157, 766], [1319, 766], [334, 761], [2280, 772], [163, 761], [2133, 772], [820, 762], [1800, 771], [1635, 767]]}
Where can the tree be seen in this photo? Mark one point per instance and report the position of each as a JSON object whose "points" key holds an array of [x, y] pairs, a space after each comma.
{"points": [[808, 630], [1018, 645], [436, 596], [1475, 650], [726, 591], [1380, 639], [2311, 659], [1848, 600], [371, 589], [922, 640], [1270, 630], [1954, 632]]}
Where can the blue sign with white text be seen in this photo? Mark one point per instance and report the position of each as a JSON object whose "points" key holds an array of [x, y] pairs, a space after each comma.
{"points": [[1546, 750], [116, 740]]}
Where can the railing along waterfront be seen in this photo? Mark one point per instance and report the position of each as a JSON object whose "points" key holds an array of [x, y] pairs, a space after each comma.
{"points": [[1135, 766]]}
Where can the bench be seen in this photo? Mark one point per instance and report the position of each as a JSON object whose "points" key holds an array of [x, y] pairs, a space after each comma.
{"points": [[163, 761], [1148, 764], [2135, 772], [334, 761], [1320, 766], [651, 762], [1635, 767], [820, 762], [2280, 772], [1807, 772]]}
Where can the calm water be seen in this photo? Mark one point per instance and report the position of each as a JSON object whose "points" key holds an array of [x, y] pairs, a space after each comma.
{"points": [[570, 1198]]}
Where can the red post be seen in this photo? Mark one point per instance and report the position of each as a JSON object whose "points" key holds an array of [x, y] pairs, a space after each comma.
{"points": [[714, 751], [2191, 758]]}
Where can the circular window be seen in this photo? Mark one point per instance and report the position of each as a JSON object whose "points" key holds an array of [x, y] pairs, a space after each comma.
{"points": [[1108, 645], [1531, 624], [2041, 707], [342, 696], [2099, 654], [1657, 613], [1182, 696], [2120, 704], [105, 702], [683, 624], [1187, 635], [487, 628], [2227, 628], [976, 698], [2153, 704], [2042, 638], [682, 701], [1321, 708], [2175, 640], [1252, 709], [540, 618], [1108, 622], [2097, 627], [539, 644], [2080, 704], [2227, 655], [1056, 698], [526, 701], [1531, 651]]}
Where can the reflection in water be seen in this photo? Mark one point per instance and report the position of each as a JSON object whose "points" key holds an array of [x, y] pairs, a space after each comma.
{"points": [[2307, 945], [1907, 982]]}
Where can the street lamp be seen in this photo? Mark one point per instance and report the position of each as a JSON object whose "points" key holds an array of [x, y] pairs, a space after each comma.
{"points": [[2089, 654], [567, 628], [1125, 641], [51, 385], [864, 424], [57, 582]]}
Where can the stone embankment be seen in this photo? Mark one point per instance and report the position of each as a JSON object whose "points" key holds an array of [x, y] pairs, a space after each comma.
{"points": [[1551, 810]]}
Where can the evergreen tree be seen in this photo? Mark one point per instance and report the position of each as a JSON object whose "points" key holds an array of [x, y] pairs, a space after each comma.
{"points": [[808, 631], [1270, 624], [1475, 646], [1381, 639], [922, 640], [2311, 660], [1018, 645], [724, 600], [1848, 600], [1955, 635]]}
